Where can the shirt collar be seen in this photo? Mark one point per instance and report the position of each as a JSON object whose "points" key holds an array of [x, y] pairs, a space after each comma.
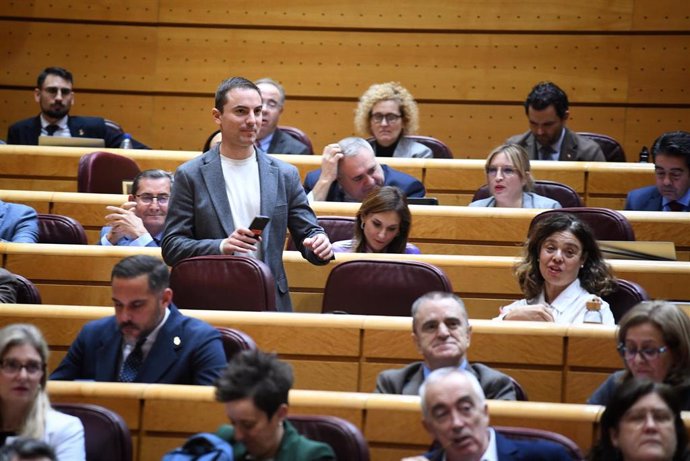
{"points": [[62, 123], [426, 370], [266, 142], [564, 300], [151, 338], [684, 200]]}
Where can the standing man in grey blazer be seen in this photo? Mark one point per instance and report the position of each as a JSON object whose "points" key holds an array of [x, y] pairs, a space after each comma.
{"points": [[217, 195], [271, 139], [441, 332], [548, 137]]}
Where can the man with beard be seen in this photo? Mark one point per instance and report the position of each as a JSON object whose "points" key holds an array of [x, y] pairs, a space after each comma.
{"points": [[147, 340], [139, 221], [548, 138], [55, 96]]}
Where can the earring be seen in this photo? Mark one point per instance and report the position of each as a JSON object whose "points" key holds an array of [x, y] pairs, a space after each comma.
{"points": [[362, 225]]}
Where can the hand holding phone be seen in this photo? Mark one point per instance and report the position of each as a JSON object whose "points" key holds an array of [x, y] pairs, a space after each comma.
{"points": [[258, 224]]}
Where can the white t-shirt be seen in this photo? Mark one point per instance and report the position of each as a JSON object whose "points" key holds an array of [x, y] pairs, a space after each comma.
{"points": [[243, 190]]}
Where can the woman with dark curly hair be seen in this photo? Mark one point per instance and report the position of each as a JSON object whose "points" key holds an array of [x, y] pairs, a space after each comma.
{"points": [[642, 422], [561, 270], [388, 112], [654, 342]]}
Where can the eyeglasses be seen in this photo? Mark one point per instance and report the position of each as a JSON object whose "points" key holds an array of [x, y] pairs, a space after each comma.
{"points": [[505, 171], [54, 90], [389, 118], [147, 199], [647, 354], [12, 367]]}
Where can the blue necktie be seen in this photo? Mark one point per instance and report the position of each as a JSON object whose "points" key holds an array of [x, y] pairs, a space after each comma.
{"points": [[51, 129], [131, 366]]}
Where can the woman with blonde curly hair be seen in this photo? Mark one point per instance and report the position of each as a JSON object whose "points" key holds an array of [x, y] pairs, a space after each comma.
{"points": [[24, 405], [388, 112]]}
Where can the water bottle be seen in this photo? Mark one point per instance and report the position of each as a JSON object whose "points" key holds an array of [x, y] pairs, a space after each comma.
{"points": [[593, 314], [644, 155], [126, 142]]}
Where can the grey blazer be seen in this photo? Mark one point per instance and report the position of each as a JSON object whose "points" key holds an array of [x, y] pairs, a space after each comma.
{"points": [[529, 200], [199, 215], [408, 148], [574, 147], [407, 381]]}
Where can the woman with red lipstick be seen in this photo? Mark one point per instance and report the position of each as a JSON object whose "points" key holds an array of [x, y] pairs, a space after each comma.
{"points": [[642, 423], [382, 226], [24, 405], [388, 112], [510, 181], [561, 270], [654, 342]]}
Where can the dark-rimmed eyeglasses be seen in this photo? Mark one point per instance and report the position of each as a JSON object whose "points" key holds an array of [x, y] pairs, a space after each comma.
{"points": [[648, 353], [147, 199], [389, 118], [54, 90], [12, 367]]}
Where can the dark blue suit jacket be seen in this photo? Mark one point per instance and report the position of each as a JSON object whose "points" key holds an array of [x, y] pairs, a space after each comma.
{"points": [[410, 186], [645, 199], [197, 358], [28, 130], [18, 223], [283, 143], [520, 450]]}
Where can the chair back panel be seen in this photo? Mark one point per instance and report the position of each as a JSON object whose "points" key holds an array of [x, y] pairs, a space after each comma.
{"points": [[625, 297], [345, 439], [562, 193], [612, 149], [234, 283], [235, 341], [299, 135], [103, 172], [380, 287], [27, 292], [605, 223], [530, 434], [105, 433], [55, 228], [337, 228]]}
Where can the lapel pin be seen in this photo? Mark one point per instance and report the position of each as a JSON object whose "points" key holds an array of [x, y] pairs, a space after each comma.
{"points": [[177, 341], [81, 132]]}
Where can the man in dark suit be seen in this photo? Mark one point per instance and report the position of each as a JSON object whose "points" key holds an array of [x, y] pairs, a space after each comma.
{"points": [[271, 139], [55, 96], [548, 138], [456, 415], [217, 195], [441, 332], [350, 170], [147, 340], [671, 154]]}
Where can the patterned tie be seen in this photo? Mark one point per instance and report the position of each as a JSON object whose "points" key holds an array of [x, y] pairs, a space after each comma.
{"points": [[676, 206], [131, 366], [51, 129], [545, 152]]}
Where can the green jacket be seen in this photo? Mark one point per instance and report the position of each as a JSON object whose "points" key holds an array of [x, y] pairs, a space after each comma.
{"points": [[293, 446]]}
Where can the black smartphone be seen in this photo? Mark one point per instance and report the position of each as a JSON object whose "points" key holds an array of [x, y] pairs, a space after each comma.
{"points": [[258, 224]]}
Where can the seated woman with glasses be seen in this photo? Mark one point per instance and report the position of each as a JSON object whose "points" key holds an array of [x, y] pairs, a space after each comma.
{"points": [[561, 272], [388, 112], [510, 181], [654, 342], [642, 422], [382, 225], [139, 221], [25, 409]]}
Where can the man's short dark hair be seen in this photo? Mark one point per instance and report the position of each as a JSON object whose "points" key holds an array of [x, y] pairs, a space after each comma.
{"points": [[153, 173], [59, 71], [545, 94], [230, 84], [261, 376], [673, 144], [25, 448], [134, 266]]}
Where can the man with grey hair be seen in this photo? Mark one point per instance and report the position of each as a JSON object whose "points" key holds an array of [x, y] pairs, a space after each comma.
{"points": [[270, 138], [455, 413], [441, 332], [350, 171]]}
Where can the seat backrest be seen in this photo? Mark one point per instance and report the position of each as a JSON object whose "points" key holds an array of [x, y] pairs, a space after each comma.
{"points": [[27, 293], [533, 435], [625, 297], [380, 287], [344, 437], [438, 148], [605, 223], [105, 433], [520, 394], [612, 149], [562, 193], [103, 172], [337, 228], [299, 135], [235, 341], [221, 282], [55, 228]]}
